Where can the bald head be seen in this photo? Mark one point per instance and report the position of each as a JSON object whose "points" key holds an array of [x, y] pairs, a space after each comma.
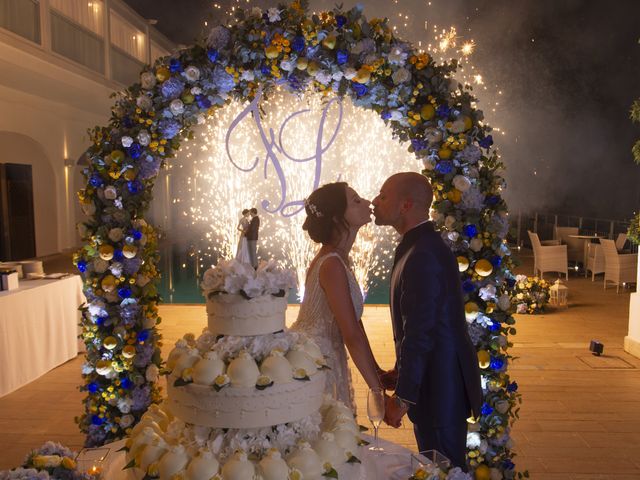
{"points": [[414, 187]]}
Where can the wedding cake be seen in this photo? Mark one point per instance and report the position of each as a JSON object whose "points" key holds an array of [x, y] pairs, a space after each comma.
{"points": [[246, 398]]}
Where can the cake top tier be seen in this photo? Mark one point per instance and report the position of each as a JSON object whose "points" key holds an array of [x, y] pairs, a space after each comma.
{"points": [[234, 277]]}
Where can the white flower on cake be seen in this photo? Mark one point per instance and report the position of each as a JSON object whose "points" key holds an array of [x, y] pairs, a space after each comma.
{"points": [[346, 439], [328, 449], [152, 453], [301, 361]]}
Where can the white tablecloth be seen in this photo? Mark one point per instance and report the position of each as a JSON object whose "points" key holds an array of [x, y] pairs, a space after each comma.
{"points": [[38, 329], [392, 464]]}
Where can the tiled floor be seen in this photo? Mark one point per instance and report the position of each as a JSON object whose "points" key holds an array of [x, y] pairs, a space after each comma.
{"points": [[580, 418]]}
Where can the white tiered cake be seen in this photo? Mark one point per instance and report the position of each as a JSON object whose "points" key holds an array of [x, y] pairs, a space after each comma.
{"points": [[246, 398]]}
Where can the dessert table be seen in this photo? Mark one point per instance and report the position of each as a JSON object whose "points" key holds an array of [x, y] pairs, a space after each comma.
{"points": [[392, 464], [38, 329]]}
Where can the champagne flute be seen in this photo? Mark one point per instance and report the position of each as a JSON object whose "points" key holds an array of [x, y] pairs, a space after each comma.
{"points": [[375, 412]]}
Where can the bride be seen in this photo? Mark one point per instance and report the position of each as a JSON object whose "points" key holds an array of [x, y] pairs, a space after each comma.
{"points": [[242, 251], [332, 307]]}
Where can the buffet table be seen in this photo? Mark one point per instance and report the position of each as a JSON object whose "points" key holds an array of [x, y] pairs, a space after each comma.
{"points": [[392, 464], [38, 329]]}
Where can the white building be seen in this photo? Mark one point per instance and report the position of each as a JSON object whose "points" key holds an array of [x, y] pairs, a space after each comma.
{"points": [[60, 60]]}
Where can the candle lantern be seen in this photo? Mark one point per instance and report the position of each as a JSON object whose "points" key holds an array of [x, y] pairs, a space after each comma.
{"points": [[559, 294]]}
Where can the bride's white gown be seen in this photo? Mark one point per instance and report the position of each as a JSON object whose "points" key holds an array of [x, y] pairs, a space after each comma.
{"points": [[316, 320]]}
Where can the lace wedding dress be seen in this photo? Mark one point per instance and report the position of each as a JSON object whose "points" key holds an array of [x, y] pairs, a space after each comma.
{"points": [[315, 319], [242, 251]]}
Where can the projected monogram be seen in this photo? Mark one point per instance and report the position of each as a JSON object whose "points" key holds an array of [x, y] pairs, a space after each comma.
{"points": [[275, 153]]}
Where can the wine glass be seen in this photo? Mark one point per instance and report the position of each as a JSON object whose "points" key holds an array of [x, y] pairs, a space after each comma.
{"points": [[375, 412]]}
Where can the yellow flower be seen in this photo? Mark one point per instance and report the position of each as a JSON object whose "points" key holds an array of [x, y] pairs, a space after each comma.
{"points": [[421, 474], [68, 463], [272, 52], [363, 76]]}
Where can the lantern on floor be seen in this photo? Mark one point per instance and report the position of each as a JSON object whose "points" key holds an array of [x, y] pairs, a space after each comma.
{"points": [[558, 294]]}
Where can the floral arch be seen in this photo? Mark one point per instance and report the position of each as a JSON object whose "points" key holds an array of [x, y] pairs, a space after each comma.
{"points": [[339, 53]]}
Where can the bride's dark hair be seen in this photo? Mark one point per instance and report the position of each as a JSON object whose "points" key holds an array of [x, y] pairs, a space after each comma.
{"points": [[325, 210]]}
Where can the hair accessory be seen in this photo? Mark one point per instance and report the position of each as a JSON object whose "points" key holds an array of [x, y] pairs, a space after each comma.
{"points": [[312, 208]]}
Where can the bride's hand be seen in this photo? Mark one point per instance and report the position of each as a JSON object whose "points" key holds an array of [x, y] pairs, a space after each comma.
{"points": [[388, 379]]}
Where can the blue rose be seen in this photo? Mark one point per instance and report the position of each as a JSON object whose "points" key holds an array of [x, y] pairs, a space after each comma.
{"points": [[127, 122], [92, 387], [135, 186], [143, 336], [135, 150], [512, 387], [172, 88], [96, 180], [470, 230], [418, 144], [494, 326], [213, 54], [468, 286], [82, 266], [444, 167], [96, 420], [137, 234], [298, 44], [508, 464], [117, 255], [359, 88], [341, 21], [496, 261], [342, 57], [443, 111], [169, 127], [203, 101], [486, 409], [486, 142], [492, 200], [496, 363], [386, 115], [175, 66], [124, 292], [126, 383], [266, 71]]}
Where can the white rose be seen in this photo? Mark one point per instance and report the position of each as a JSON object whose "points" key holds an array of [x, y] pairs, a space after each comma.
{"points": [[495, 474], [323, 77], [147, 80], [288, 65], [401, 75], [488, 293], [176, 106], [110, 192], [191, 73], [116, 234], [337, 76], [152, 373], [256, 12], [149, 322], [453, 236], [475, 244], [144, 138], [461, 183], [484, 446], [449, 222], [126, 141], [457, 126], [247, 76], [473, 440], [89, 208], [273, 14], [201, 119], [397, 56], [124, 405], [144, 102], [126, 421], [349, 73], [196, 90]]}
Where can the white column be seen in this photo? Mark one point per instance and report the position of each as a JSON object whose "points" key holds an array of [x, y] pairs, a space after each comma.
{"points": [[632, 341]]}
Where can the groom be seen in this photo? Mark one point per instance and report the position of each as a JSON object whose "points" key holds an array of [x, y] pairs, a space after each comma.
{"points": [[252, 237], [436, 377]]}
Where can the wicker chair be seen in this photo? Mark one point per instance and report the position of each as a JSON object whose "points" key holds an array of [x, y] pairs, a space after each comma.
{"points": [[575, 246], [548, 258], [620, 241], [595, 260], [619, 268]]}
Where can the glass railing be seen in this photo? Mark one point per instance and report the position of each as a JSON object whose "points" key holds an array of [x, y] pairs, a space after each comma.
{"points": [[76, 43]]}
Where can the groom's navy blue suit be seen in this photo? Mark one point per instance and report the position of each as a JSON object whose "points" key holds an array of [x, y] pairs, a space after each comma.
{"points": [[438, 371]]}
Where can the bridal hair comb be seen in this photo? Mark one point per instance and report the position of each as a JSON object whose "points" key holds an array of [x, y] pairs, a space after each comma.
{"points": [[312, 209]]}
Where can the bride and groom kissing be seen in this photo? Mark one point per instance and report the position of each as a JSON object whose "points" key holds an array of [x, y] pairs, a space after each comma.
{"points": [[436, 378]]}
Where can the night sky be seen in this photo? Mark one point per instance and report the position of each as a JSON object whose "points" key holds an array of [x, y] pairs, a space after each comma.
{"points": [[568, 72]]}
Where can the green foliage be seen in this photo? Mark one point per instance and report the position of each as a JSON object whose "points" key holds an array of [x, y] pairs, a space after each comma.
{"points": [[634, 230]]}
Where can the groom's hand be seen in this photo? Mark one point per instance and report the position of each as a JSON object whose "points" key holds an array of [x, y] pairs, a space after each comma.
{"points": [[395, 409], [389, 379]]}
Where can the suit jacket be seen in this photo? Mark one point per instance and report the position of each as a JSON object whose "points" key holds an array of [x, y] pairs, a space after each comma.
{"points": [[254, 226], [437, 363]]}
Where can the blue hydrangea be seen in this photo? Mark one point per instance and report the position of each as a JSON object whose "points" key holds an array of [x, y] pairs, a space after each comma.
{"points": [[135, 150], [470, 230], [172, 88], [342, 57], [444, 167], [175, 66], [341, 21], [298, 44], [222, 80], [359, 88], [169, 127], [213, 55], [486, 142]]}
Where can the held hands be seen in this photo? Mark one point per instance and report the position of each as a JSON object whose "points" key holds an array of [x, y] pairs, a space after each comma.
{"points": [[394, 410], [388, 379]]}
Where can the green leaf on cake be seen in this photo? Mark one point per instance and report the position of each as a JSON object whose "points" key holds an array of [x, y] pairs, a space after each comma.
{"points": [[131, 464], [123, 449], [354, 459], [181, 382], [362, 442], [330, 473], [363, 428]]}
